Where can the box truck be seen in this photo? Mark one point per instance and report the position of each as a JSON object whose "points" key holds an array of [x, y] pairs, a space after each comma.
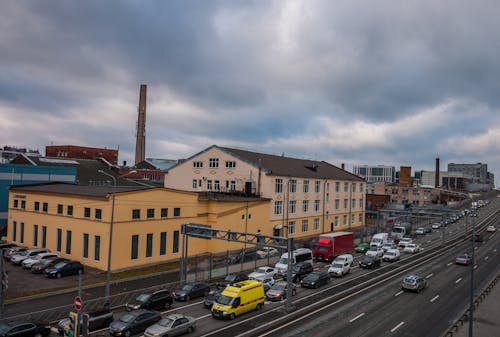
{"points": [[330, 245]]}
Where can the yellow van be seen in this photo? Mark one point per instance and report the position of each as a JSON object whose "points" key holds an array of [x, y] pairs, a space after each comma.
{"points": [[238, 299]]}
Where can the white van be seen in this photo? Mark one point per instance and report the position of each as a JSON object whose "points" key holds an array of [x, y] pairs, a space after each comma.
{"points": [[379, 239], [298, 255]]}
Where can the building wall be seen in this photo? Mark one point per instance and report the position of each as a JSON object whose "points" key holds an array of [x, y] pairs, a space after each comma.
{"points": [[81, 152], [405, 175], [377, 173]]}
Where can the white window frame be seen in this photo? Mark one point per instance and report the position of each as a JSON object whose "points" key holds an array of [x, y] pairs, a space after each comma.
{"points": [[306, 186], [316, 224], [305, 206], [278, 207], [292, 186], [291, 228], [317, 205], [278, 185], [213, 163], [292, 206], [317, 186], [305, 226]]}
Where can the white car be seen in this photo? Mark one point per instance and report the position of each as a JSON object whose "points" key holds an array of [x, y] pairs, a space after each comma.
{"points": [[411, 248], [262, 273], [339, 268], [436, 225], [491, 228], [344, 258], [266, 251], [391, 255], [404, 241], [18, 259], [29, 262], [387, 246], [374, 251]]}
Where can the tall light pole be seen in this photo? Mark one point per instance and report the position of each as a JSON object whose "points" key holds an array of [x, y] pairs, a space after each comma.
{"points": [[110, 246]]}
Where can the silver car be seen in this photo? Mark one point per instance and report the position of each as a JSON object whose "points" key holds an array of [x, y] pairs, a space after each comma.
{"points": [[171, 325]]}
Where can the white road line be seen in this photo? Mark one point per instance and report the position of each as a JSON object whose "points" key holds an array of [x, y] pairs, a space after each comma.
{"points": [[449, 264], [399, 293], [475, 266], [494, 250], [460, 279], [486, 258], [430, 275], [397, 326], [181, 307], [355, 318], [434, 298], [201, 317]]}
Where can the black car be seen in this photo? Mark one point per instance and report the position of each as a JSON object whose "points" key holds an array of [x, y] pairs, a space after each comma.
{"points": [[23, 329], [299, 271], [191, 290], [40, 267], [212, 297], [64, 268], [133, 322], [158, 300], [98, 319], [315, 279], [232, 279], [370, 262]]}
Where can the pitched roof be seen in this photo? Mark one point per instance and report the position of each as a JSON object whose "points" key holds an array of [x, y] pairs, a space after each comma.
{"points": [[293, 167], [61, 188]]}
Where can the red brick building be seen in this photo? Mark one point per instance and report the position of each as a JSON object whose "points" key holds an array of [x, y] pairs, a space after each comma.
{"points": [[81, 152]]}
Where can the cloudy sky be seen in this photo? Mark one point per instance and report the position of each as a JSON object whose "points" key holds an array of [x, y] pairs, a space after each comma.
{"points": [[355, 82]]}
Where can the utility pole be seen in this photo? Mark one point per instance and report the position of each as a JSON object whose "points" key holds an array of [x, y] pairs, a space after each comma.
{"points": [[471, 304]]}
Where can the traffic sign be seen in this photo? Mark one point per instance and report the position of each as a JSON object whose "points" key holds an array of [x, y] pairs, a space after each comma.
{"points": [[78, 303]]}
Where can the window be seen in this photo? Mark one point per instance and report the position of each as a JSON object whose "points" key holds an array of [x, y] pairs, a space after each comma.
{"points": [[346, 187], [35, 235], [305, 226], [353, 219], [135, 247], [59, 240], [278, 207], [209, 185], [213, 162], [97, 248], [278, 186], [230, 164], [37, 205], [21, 234], [136, 214], [163, 243], [85, 245], [317, 206], [98, 213], [337, 186], [360, 220], [86, 212], [23, 204], [177, 211], [361, 188], [149, 245], [337, 203], [59, 209], [68, 242], [175, 244], [45, 207], [306, 186], [316, 224], [232, 186], [293, 206], [353, 203], [69, 210], [197, 164], [336, 221], [14, 231], [217, 185], [361, 203], [293, 186], [317, 186], [151, 213], [346, 203], [44, 236], [305, 206], [353, 187], [195, 183], [291, 227], [164, 212], [16, 203], [345, 220]]}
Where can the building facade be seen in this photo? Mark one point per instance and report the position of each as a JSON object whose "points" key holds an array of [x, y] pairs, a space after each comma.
{"points": [[377, 173], [81, 152], [402, 194], [478, 172]]}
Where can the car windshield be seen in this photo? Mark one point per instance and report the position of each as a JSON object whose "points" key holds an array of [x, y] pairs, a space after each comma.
{"points": [[278, 286], [188, 287], [390, 253], [405, 239], [60, 264], [313, 277], [225, 300], [143, 297], [368, 258], [284, 260], [4, 328], [295, 269], [337, 265], [322, 248], [397, 229], [166, 322], [46, 261], [260, 270], [230, 277], [411, 245], [373, 249], [127, 318], [23, 253]]}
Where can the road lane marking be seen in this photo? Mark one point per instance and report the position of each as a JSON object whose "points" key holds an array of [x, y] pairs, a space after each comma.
{"points": [[486, 258], [430, 275], [434, 298], [355, 318], [475, 266], [460, 279], [181, 307], [449, 264], [201, 317], [397, 326], [399, 293]]}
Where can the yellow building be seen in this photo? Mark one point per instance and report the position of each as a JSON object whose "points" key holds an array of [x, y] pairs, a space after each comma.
{"points": [[74, 221]]}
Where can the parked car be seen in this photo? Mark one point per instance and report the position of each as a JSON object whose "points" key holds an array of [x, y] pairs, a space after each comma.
{"points": [[479, 237], [391, 255], [427, 229], [315, 279], [464, 259], [39, 267], [490, 228], [339, 268], [171, 325], [369, 262], [411, 248], [29, 262], [23, 329], [262, 273], [414, 283], [375, 251], [278, 291], [98, 319], [133, 322], [404, 241], [264, 252], [420, 231], [299, 271], [436, 225], [64, 268], [211, 298], [191, 290], [362, 247], [13, 251], [19, 258], [344, 258], [387, 246], [158, 300], [232, 279]]}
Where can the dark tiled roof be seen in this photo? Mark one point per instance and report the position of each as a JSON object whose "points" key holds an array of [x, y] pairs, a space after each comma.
{"points": [[223, 196], [293, 167], [92, 191]]}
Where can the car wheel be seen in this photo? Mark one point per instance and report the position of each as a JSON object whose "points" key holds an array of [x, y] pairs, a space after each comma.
{"points": [[128, 333], [187, 297], [58, 275], [38, 335], [232, 316], [294, 292], [282, 297], [258, 307], [190, 329]]}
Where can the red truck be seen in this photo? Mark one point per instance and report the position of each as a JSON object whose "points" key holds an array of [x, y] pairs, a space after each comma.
{"points": [[333, 244]]}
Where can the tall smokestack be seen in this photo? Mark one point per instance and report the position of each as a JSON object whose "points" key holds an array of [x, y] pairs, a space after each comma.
{"points": [[436, 181], [342, 166], [140, 144]]}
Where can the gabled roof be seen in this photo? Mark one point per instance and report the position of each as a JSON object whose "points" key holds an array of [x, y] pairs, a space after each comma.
{"points": [[161, 164], [61, 188]]}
